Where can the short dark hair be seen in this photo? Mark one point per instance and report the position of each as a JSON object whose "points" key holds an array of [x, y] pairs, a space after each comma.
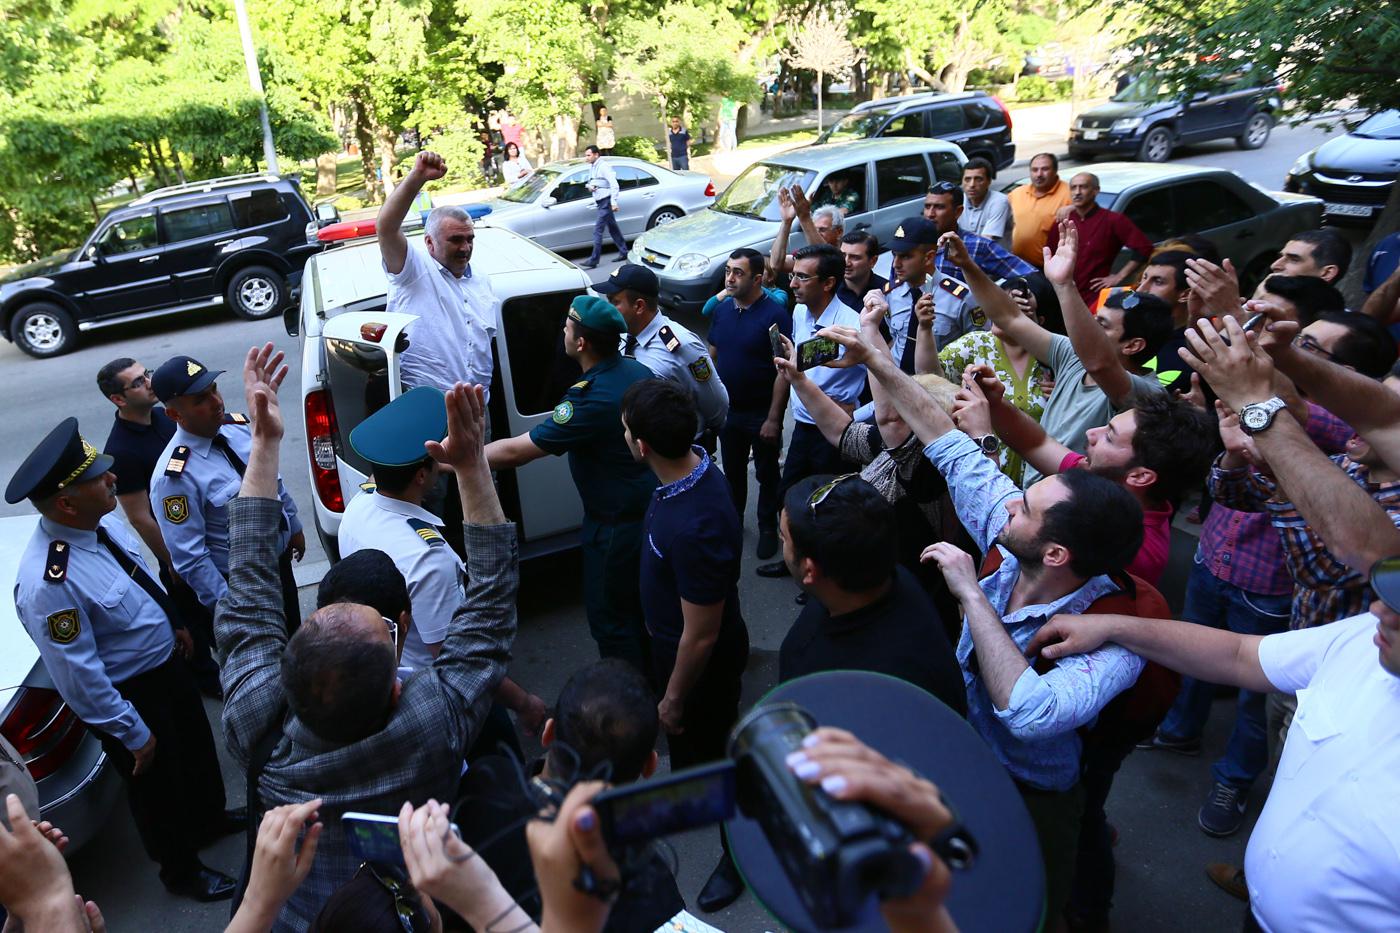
{"points": [[864, 237], [947, 189], [108, 382], [1194, 243], [830, 263], [1367, 347], [395, 479], [1177, 441], [977, 162], [663, 414], [1054, 159], [604, 344], [605, 713], [365, 905], [370, 578], [1150, 318], [1174, 259], [752, 256], [1100, 523], [852, 536], [593, 149], [336, 682], [1310, 294], [1329, 248]]}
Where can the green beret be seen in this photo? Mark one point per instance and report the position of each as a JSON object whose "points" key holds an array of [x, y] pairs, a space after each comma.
{"points": [[394, 435], [596, 314]]}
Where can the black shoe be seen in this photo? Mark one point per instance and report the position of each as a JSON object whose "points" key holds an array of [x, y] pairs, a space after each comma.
{"points": [[202, 884], [1170, 743], [622, 258], [767, 543], [774, 570], [723, 888], [800, 598], [588, 265]]}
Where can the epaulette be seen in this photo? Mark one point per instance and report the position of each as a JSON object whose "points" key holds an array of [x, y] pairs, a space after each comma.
{"points": [[582, 385], [428, 532], [233, 417], [56, 567], [669, 338], [952, 286], [368, 486], [176, 466]]}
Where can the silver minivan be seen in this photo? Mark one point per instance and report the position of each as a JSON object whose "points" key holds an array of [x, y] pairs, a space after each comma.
{"points": [[891, 177]]}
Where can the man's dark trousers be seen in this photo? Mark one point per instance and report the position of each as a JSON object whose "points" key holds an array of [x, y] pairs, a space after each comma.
{"points": [[606, 220], [737, 439], [808, 454]]}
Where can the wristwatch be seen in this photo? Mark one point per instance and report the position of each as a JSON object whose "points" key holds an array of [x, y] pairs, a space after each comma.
{"points": [[988, 443], [1258, 416]]}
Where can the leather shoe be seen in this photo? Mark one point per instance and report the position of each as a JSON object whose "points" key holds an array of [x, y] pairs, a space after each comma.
{"points": [[723, 888], [767, 543], [202, 884], [774, 570], [1229, 878], [588, 265]]}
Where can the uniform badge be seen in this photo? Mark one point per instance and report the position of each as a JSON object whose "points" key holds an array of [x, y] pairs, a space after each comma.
{"points": [[56, 567], [63, 626], [177, 509], [979, 317], [700, 369], [178, 458], [428, 532], [669, 338], [233, 417], [952, 286], [899, 231], [192, 368], [563, 412]]}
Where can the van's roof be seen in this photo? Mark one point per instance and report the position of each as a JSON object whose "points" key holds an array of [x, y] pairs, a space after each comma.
{"points": [[839, 155]]}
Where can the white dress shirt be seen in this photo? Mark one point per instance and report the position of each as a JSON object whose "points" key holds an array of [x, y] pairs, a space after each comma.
{"points": [[451, 340], [842, 385]]}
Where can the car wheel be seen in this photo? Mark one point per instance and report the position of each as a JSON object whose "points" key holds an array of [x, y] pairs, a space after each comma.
{"points": [[1156, 145], [43, 329], [256, 292], [664, 215], [1256, 132]]}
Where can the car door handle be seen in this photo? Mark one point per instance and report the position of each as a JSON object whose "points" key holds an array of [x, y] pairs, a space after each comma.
{"points": [[148, 259]]}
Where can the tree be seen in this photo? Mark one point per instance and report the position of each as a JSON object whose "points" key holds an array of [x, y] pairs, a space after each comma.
{"points": [[819, 44]]}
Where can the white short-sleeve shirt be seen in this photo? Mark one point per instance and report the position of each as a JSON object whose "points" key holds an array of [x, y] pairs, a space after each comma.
{"points": [[451, 340], [1325, 854]]}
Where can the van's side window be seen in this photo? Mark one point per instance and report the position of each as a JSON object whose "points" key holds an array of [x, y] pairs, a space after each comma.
{"points": [[255, 208], [540, 373]]}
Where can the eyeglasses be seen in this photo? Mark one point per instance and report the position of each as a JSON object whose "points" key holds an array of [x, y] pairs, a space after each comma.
{"points": [[802, 276], [819, 494], [943, 187], [140, 382], [1309, 343], [403, 907], [393, 631]]}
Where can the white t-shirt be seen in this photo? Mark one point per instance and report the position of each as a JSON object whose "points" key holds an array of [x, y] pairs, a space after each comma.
{"points": [[451, 340], [512, 170], [1325, 854]]}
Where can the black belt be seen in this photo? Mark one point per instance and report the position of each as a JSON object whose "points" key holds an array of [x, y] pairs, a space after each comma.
{"points": [[616, 517], [153, 672]]}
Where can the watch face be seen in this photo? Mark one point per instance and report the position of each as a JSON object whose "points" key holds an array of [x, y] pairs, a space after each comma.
{"points": [[1254, 418]]}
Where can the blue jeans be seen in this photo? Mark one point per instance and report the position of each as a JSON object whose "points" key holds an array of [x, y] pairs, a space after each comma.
{"points": [[606, 221], [1211, 601], [680, 163]]}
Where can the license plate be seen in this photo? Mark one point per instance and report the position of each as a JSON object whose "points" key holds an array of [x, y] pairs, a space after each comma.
{"points": [[1091, 134], [1349, 210]]}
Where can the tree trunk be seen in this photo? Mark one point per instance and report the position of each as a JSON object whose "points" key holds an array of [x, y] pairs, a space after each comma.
{"points": [[325, 175], [1387, 223], [179, 168], [819, 100], [563, 141], [912, 64], [384, 141], [364, 135], [135, 185], [157, 166]]}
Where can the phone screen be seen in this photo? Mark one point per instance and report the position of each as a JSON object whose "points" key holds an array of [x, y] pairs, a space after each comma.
{"points": [[775, 337], [685, 800], [817, 351], [372, 838]]}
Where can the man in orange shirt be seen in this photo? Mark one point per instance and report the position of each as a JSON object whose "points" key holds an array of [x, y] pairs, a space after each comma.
{"points": [[1034, 206]]}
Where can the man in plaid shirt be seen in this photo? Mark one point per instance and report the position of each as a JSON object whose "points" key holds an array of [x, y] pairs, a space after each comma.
{"points": [[345, 728]]}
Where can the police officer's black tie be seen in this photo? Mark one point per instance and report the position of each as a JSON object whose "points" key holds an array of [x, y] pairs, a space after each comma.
{"points": [[630, 347], [221, 443], [139, 574], [906, 359]]}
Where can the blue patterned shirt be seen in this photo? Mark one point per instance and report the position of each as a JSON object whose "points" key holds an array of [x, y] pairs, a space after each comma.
{"points": [[987, 256]]}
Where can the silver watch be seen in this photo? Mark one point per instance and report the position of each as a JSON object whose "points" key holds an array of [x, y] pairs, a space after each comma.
{"points": [[1259, 415]]}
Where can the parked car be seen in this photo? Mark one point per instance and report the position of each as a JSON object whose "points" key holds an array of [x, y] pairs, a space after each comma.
{"points": [[350, 350], [553, 206], [238, 241], [1353, 174], [978, 123], [891, 175], [1153, 115], [1245, 222], [78, 786]]}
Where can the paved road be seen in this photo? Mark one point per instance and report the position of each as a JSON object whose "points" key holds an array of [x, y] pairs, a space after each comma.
{"points": [[1160, 853]]}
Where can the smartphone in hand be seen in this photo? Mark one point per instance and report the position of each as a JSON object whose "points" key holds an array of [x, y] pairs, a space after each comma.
{"points": [[817, 352]]}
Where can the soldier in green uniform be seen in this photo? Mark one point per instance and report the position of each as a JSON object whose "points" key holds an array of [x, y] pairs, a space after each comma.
{"points": [[615, 488]]}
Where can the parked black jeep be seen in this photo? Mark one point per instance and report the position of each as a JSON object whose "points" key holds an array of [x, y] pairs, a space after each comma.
{"points": [[239, 241]]}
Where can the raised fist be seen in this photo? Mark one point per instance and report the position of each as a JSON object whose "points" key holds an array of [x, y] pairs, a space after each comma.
{"points": [[430, 166]]}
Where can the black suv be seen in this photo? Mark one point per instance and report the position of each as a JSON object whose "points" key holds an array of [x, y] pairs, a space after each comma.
{"points": [[1152, 116], [239, 241], [977, 122]]}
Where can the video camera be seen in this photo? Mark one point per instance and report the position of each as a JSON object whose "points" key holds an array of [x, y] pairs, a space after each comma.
{"points": [[836, 853]]}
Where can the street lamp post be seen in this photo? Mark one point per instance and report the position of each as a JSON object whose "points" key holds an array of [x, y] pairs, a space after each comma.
{"points": [[250, 57]]}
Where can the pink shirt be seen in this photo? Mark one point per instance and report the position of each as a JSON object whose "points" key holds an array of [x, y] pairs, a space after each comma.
{"points": [[1151, 558]]}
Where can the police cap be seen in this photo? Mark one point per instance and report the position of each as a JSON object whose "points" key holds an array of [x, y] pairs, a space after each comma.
{"points": [[632, 278], [596, 314], [182, 375], [912, 232], [394, 435], [61, 460]]}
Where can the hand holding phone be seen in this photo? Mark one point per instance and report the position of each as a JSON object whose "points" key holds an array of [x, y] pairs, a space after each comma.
{"points": [[373, 837], [817, 352], [775, 339]]}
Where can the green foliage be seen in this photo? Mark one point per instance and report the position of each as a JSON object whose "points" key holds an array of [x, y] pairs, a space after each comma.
{"points": [[987, 77], [1033, 88], [638, 147], [461, 147]]}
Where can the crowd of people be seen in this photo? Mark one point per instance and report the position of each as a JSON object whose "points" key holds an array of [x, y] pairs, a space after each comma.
{"points": [[977, 496]]}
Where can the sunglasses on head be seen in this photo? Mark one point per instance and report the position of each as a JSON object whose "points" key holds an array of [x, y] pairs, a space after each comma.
{"points": [[819, 494], [943, 187]]}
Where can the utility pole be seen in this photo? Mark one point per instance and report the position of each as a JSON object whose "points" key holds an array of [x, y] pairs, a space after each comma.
{"points": [[250, 57]]}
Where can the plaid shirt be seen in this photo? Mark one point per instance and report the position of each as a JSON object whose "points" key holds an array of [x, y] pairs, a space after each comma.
{"points": [[1242, 548], [1327, 588], [987, 256], [416, 755]]}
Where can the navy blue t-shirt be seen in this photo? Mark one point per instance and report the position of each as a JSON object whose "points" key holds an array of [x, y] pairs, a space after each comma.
{"points": [[743, 352], [135, 448], [678, 141], [692, 543]]}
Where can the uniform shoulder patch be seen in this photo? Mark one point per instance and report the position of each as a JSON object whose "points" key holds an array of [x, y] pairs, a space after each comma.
{"points": [[233, 417], [176, 508], [952, 286], [56, 567], [701, 370], [428, 532], [178, 458], [669, 338], [64, 626], [582, 385], [368, 487], [563, 412]]}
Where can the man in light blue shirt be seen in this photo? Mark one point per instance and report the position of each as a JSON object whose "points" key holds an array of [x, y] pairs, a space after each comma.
{"points": [[602, 182]]}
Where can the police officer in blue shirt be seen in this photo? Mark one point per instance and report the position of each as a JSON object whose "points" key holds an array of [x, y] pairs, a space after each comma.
{"points": [[615, 489], [198, 473], [103, 626]]}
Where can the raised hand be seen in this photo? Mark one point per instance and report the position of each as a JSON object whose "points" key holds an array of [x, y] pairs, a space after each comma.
{"points": [[786, 208], [957, 567], [800, 202], [1059, 267], [875, 308], [955, 249], [1239, 371], [429, 166], [466, 429], [1216, 288], [263, 372]]}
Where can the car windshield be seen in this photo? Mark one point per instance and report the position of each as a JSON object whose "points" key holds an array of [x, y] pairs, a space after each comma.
{"points": [[853, 126], [1383, 125], [528, 189], [1146, 89], [755, 193]]}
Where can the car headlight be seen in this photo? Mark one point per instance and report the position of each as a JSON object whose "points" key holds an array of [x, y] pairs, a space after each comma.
{"points": [[691, 264], [1079, 123], [1127, 123], [1303, 165]]}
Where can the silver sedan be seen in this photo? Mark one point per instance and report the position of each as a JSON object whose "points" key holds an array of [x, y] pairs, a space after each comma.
{"points": [[552, 205]]}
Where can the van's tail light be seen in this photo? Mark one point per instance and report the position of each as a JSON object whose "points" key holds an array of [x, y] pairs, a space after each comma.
{"points": [[43, 729], [1006, 113], [320, 439], [710, 190]]}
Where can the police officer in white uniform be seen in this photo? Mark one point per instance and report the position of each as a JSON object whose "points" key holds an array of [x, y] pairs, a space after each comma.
{"points": [[197, 475], [105, 630], [665, 347]]}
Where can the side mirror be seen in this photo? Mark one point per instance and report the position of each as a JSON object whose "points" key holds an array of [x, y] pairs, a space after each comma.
{"points": [[291, 318], [93, 254], [326, 214], [548, 201]]}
